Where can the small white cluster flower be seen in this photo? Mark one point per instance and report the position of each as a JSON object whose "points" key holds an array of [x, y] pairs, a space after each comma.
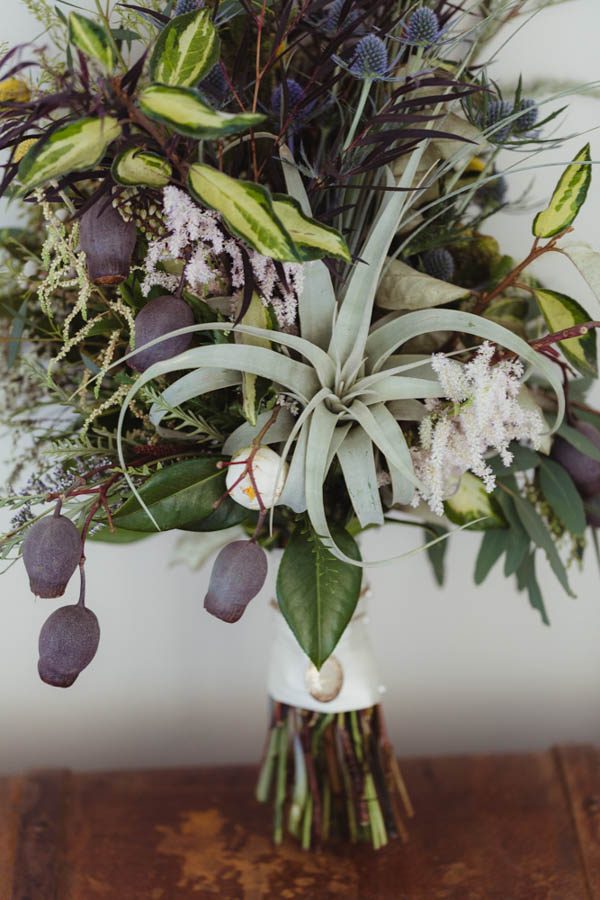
{"points": [[480, 414], [196, 236]]}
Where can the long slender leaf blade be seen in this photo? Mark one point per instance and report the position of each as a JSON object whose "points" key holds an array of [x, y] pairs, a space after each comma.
{"points": [[562, 495]]}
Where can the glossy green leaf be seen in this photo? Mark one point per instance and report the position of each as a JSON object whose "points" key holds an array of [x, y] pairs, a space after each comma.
{"points": [[562, 495], [177, 496], [186, 49], [72, 147], [492, 547], [568, 197], [226, 515], [93, 41], [247, 210], [137, 166], [318, 593], [472, 502], [561, 312], [118, 536], [184, 110], [314, 239]]}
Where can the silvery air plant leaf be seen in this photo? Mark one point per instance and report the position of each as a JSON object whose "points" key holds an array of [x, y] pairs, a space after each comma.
{"points": [[238, 574]]}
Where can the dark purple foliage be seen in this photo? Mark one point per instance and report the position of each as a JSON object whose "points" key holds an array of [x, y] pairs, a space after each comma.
{"points": [[68, 642], [584, 470], [238, 575], [51, 553], [108, 241], [157, 318]]}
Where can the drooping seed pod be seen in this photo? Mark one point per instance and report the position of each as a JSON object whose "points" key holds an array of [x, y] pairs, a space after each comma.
{"points": [[155, 319], [68, 643], [584, 470], [267, 477], [51, 553], [108, 242], [237, 576]]}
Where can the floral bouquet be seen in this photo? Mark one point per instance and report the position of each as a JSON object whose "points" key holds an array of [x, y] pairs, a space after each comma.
{"points": [[252, 299]]}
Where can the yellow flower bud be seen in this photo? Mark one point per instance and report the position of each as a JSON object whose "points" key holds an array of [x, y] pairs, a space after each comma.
{"points": [[14, 89], [22, 148]]}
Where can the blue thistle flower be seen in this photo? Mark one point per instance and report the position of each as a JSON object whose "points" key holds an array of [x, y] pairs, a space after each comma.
{"points": [[187, 6], [215, 84], [333, 20], [295, 93], [493, 193], [370, 58], [528, 117], [423, 28], [496, 112], [439, 264]]}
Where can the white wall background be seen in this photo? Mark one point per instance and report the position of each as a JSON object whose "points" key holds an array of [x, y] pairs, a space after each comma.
{"points": [[467, 669]]}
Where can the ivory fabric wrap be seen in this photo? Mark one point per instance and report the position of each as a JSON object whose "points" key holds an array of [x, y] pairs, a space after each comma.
{"points": [[288, 666]]}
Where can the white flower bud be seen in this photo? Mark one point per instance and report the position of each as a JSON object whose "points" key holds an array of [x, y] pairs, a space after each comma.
{"points": [[266, 467], [30, 269]]}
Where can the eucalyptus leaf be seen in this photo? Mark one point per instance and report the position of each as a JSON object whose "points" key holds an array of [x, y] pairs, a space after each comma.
{"points": [[317, 593], [536, 529], [403, 287], [492, 547], [528, 579], [562, 495]]}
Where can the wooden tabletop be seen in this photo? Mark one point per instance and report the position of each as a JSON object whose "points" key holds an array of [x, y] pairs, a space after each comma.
{"points": [[523, 827]]}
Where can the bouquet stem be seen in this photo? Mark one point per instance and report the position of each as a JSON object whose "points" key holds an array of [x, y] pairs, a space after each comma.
{"points": [[333, 775]]}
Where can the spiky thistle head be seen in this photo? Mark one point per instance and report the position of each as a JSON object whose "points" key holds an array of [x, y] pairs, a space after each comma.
{"points": [[187, 6], [295, 94], [495, 113], [334, 20], [370, 58], [439, 263], [423, 28], [215, 84], [528, 117], [493, 193]]}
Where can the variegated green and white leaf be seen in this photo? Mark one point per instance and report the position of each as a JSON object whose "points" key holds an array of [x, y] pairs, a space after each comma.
{"points": [[561, 312], [186, 49], [471, 503], [568, 197], [92, 39], [313, 239], [184, 111], [402, 287], [72, 147], [137, 166], [247, 210]]}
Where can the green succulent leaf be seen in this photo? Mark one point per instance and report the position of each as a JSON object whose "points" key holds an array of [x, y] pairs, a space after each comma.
{"points": [[184, 111], [72, 147], [92, 39], [472, 502], [562, 495], [137, 166], [187, 48], [568, 197], [313, 239], [247, 210], [318, 593], [179, 495], [561, 312]]}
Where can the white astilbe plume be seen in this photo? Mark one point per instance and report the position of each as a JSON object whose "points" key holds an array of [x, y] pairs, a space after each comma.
{"points": [[479, 415], [213, 258]]}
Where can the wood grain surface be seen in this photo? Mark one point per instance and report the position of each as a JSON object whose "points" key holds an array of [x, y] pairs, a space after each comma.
{"points": [[522, 827]]}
